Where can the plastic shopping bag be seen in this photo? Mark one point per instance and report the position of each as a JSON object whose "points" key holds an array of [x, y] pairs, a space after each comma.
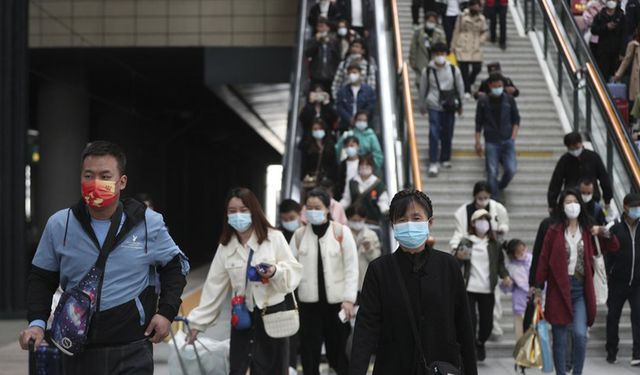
{"points": [[528, 350], [545, 342], [212, 357]]}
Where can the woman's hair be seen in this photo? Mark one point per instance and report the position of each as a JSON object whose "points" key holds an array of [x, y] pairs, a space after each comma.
{"points": [[355, 117], [584, 219], [403, 199], [491, 233], [260, 223], [510, 247], [366, 159], [481, 186], [356, 209], [320, 194]]}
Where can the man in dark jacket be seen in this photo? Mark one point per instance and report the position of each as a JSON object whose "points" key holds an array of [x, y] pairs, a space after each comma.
{"points": [[323, 52], [610, 25], [576, 164], [359, 13], [498, 117], [509, 87], [326, 9], [624, 279], [129, 316], [355, 97]]}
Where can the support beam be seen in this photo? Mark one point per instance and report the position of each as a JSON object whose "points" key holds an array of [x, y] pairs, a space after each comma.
{"points": [[13, 127]]}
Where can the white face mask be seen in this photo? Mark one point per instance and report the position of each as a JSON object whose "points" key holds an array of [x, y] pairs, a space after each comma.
{"points": [[587, 197], [361, 125], [351, 151], [354, 77], [612, 4], [576, 152], [342, 31], [365, 171], [356, 225], [318, 134], [572, 210], [440, 60], [482, 227], [482, 203], [430, 25]]}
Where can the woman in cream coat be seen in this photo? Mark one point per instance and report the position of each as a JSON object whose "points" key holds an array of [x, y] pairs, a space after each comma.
{"points": [[247, 236], [328, 253]]}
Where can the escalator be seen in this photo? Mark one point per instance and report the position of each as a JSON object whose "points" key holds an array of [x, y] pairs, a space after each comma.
{"points": [[388, 119]]}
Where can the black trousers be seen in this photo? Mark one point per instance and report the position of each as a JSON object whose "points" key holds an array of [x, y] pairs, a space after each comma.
{"points": [[254, 349], [619, 293], [449, 24], [484, 303], [130, 359], [494, 14], [319, 323], [428, 6], [470, 71], [607, 62]]}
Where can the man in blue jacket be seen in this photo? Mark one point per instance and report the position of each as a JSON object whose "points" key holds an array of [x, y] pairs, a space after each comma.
{"points": [[498, 117], [354, 97], [129, 315]]}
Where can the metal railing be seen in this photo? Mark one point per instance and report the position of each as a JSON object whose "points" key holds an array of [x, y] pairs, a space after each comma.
{"points": [[406, 124], [582, 89]]}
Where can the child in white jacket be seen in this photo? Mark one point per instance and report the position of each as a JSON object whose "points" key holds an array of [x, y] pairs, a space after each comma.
{"points": [[367, 240]]}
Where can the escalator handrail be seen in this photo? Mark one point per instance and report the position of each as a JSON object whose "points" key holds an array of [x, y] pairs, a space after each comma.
{"points": [[294, 104], [414, 153], [600, 93]]}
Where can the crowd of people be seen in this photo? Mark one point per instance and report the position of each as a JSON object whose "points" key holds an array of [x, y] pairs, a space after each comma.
{"points": [[356, 298]]}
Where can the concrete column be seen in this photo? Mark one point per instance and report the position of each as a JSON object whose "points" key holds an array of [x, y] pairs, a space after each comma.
{"points": [[63, 121]]}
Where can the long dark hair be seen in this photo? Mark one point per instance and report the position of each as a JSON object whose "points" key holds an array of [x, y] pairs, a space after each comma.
{"points": [[584, 219], [259, 222]]}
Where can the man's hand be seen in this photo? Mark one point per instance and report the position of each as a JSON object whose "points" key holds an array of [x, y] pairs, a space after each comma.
{"points": [[423, 111], [348, 310], [479, 149], [510, 90], [161, 326], [35, 333], [611, 25], [460, 111]]}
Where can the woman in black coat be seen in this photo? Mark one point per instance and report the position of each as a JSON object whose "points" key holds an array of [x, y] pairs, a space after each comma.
{"points": [[436, 293]]}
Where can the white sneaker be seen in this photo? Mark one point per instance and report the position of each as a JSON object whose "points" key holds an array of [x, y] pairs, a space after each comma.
{"points": [[446, 165], [292, 371], [417, 27], [433, 170], [635, 362], [467, 96]]}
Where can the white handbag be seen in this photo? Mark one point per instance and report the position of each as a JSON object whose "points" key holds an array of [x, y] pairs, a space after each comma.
{"points": [[600, 276], [282, 323]]}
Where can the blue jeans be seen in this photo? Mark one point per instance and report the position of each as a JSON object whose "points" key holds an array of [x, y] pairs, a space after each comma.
{"points": [[503, 152], [440, 135], [578, 328]]}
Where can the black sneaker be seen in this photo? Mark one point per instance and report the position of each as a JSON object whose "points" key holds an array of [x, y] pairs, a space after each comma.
{"points": [[481, 352], [611, 358]]}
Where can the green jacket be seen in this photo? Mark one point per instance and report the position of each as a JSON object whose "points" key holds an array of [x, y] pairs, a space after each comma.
{"points": [[419, 53], [369, 144], [496, 262]]}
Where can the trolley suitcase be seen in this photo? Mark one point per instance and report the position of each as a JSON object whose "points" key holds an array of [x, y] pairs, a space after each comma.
{"points": [[618, 90], [46, 360]]}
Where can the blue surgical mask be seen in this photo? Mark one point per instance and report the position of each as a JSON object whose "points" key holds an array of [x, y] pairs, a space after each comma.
{"points": [[497, 91], [316, 217], [576, 152], [634, 213], [361, 125], [318, 134], [351, 151], [291, 226], [240, 221], [412, 234]]}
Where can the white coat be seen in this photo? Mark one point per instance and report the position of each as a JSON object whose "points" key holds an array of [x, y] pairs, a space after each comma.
{"points": [[368, 250], [228, 272], [339, 260]]}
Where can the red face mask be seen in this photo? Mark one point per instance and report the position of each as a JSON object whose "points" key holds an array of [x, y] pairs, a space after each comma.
{"points": [[99, 193]]}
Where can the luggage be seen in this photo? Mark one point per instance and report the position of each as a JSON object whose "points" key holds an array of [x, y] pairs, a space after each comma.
{"points": [[46, 360], [205, 357], [618, 90], [623, 108]]}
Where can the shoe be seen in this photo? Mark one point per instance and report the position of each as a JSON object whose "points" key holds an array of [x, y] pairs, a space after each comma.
{"points": [[481, 352], [433, 170], [503, 46], [467, 96], [635, 361], [416, 27], [446, 164], [292, 371], [611, 358]]}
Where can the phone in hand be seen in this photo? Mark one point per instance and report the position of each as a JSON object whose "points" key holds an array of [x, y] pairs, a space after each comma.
{"points": [[263, 268]]}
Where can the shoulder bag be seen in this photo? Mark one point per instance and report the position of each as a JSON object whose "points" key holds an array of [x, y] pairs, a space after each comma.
{"points": [[599, 275], [449, 99]]}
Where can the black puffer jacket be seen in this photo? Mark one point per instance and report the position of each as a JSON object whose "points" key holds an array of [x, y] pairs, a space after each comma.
{"points": [[625, 263], [324, 58]]}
